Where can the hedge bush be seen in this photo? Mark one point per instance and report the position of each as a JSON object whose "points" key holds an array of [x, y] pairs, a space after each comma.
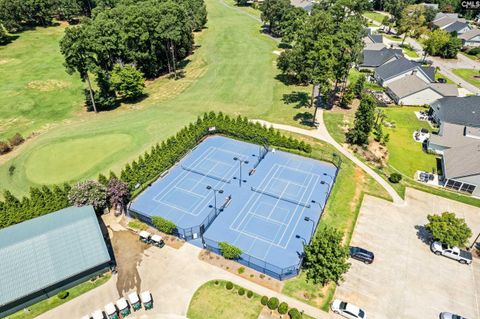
{"points": [[294, 314], [229, 251], [283, 308], [264, 300], [62, 294], [241, 270], [395, 178], [16, 140], [229, 285], [241, 291], [163, 225], [272, 303], [249, 294], [4, 148]]}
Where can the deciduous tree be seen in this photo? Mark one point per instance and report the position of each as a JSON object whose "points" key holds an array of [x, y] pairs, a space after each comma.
{"points": [[449, 229]]}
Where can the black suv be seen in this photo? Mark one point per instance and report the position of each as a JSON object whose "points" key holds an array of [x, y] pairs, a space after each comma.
{"points": [[362, 254]]}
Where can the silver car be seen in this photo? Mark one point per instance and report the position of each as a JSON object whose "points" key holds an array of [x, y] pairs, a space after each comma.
{"points": [[449, 315]]}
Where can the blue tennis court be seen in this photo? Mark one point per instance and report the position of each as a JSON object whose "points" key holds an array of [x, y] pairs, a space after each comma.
{"points": [[268, 211]]}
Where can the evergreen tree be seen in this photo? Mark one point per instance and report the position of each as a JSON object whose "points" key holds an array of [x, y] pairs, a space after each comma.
{"points": [[364, 121]]}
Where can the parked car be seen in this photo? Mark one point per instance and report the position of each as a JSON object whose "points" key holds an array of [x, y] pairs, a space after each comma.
{"points": [[347, 310], [462, 256], [362, 255], [441, 80], [449, 315]]}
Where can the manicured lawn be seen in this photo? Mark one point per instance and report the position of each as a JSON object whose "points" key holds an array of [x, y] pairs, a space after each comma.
{"points": [[233, 70], [470, 56], [440, 75], [35, 89], [52, 302], [393, 37], [405, 154], [409, 52], [355, 74], [375, 16], [341, 212], [212, 301], [468, 75]]}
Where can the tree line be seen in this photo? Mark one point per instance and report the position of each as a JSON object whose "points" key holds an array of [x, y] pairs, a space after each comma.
{"points": [[131, 41], [113, 191]]}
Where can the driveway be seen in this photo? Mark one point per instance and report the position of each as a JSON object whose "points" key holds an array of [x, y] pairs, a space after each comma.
{"points": [[406, 280]]}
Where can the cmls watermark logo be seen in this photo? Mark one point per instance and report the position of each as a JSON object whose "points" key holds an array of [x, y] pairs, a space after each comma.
{"points": [[472, 5]]}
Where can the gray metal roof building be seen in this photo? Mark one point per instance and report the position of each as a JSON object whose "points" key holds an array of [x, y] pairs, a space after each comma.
{"points": [[43, 255]]}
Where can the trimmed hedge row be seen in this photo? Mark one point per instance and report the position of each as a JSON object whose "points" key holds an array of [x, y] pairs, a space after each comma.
{"points": [[149, 166]]}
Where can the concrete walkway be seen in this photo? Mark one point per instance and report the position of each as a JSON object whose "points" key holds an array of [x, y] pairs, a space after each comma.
{"points": [[172, 276], [321, 133]]}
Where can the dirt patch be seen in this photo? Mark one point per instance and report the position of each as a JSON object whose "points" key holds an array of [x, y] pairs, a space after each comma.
{"points": [[129, 252], [375, 153], [47, 85], [245, 272]]}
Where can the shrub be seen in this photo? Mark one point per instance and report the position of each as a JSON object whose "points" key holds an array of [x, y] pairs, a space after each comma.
{"points": [[62, 294], [163, 225], [136, 224], [229, 285], [249, 294], [264, 300], [216, 282], [283, 308], [272, 303], [294, 314], [11, 170], [16, 140], [229, 251], [4, 148], [241, 291], [395, 178], [241, 270], [89, 193]]}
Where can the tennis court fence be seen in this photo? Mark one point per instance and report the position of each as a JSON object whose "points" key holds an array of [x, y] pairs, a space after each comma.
{"points": [[258, 264]]}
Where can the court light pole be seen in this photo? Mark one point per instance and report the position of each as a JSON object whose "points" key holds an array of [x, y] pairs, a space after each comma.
{"points": [[328, 185], [328, 175], [304, 242], [215, 191], [241, 162], [319, 204], [308, 219]]}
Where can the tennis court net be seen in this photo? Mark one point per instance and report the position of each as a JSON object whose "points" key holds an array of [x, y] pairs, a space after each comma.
{"points": [[221, 179], [280, 197]]}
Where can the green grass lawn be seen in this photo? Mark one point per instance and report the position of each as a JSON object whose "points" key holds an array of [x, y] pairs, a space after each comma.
{"points": [[233, 70], [395, 38], [440, 75], [35, 89], [409, 52], [52, 302], [405, 154], [355, 74], [468, 75], [375, 16], [470, 56]]}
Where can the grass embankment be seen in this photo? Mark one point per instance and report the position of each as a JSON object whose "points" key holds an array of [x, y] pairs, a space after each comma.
{"points": [[52, 302], [406, 155], [341, 212], [233, 70], [469, 76], [213, 301], [35, 89]]}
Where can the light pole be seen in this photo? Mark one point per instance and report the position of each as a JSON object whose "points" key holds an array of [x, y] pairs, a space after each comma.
{"points": [[328, 175], [304, 242], [241, 162], [220, 191], [308, 219], [328, 185], [315, 202]]}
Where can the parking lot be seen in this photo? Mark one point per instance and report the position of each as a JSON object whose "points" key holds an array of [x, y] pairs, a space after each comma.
{"points": [[406, 279]]}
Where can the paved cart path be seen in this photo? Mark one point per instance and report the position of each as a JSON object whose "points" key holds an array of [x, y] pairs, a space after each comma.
{"points": [[321, 133]]}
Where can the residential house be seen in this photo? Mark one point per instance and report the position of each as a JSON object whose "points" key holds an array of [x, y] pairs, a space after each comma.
{"points": [[411, 90], [450, 22], [433, 6], [373, 58], [470, 38], [401, 67], [306, 5], [458, 142]]}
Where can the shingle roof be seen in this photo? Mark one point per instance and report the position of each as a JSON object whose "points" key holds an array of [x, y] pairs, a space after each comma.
{"points": [[400, 66], [456, 27], [458, 110], [375, 58], [407, 86], [46, 250], [462, 161], [445, 89], [469, 34]]}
